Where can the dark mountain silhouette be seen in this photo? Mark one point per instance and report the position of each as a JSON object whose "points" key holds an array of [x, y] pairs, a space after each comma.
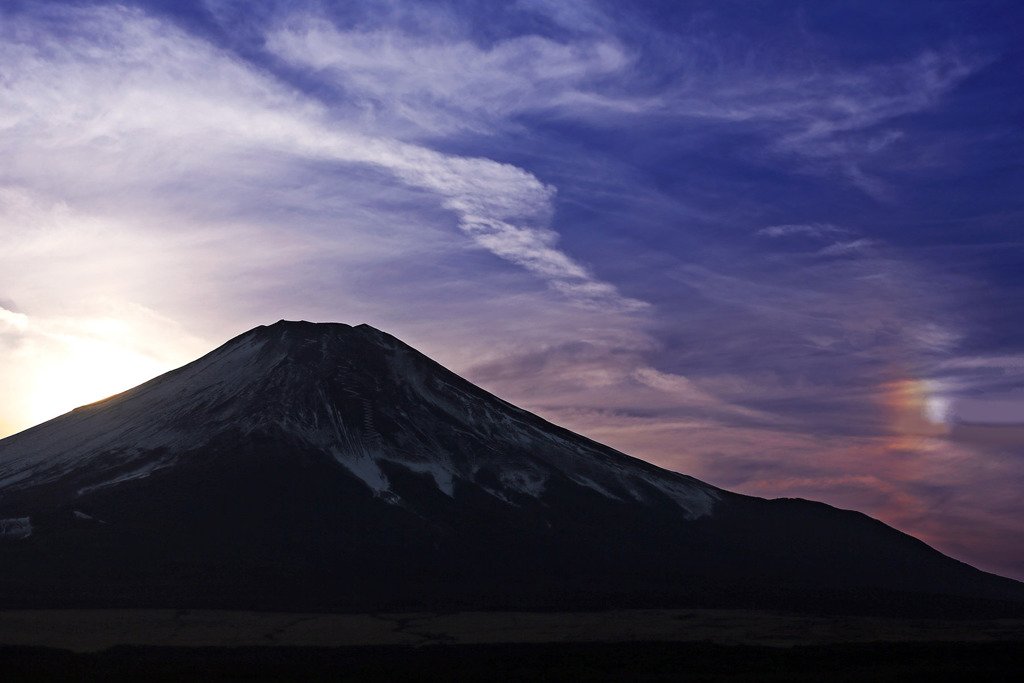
{"points": [[322, 466]]}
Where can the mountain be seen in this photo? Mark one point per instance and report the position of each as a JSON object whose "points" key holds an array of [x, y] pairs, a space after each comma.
{"points": [[323, 466]]}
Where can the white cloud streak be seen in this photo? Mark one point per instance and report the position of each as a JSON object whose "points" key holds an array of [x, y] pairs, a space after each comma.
{"points": [[845, 248], [808, 229], [441, 87], [830, 117], [142, 103]]}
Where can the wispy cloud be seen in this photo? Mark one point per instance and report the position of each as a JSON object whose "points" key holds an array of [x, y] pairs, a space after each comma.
{"points": [[439, 86], [833, 117], [614, 376], [145, 167], [845, 248], [807, 229], [931, 489], [141, 101], [817, 336]]}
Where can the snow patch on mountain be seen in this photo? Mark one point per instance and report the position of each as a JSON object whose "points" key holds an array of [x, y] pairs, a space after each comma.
{"points": [[531, 483], [591, 484], [365, 468], [140, 473], [14, 528], [443, 476]]}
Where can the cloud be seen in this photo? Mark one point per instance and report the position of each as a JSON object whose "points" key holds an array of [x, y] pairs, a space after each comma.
{"points": [[815, 341], [122, 102], [828, 117], [836, 117], [440, 86], [577, 16], [1014, 362], [846, 248], [931, 490], [612, 377], [1007, 408], [686, 392], [808, 229], [980, 392]]}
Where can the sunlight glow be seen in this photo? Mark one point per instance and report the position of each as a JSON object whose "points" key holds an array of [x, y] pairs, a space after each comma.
{"points": [[83, 372]]}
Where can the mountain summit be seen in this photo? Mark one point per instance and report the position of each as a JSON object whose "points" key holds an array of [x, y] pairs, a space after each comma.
{"points": [[323, 466]]}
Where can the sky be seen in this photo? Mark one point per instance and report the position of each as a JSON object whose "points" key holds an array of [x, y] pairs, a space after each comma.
{"points": [[774, 245]]}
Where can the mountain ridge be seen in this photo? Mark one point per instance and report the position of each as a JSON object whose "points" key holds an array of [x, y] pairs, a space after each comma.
{"points": [[297, 452]]}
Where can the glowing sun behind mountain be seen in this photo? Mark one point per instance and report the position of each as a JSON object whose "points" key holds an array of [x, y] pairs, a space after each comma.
{"points": [[84, 371]]}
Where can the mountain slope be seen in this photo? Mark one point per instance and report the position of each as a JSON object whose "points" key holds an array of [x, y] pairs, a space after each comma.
{"points": [[325, 466]]}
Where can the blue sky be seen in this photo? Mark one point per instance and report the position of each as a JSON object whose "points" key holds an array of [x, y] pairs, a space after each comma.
{"points": [[774, 245]]}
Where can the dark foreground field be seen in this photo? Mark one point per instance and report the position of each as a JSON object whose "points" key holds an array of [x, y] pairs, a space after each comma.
{"points": [[632, 645], [634, 661]]}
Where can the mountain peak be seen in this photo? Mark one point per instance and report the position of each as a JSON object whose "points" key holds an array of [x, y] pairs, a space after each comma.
{"points": [[293, 334]]}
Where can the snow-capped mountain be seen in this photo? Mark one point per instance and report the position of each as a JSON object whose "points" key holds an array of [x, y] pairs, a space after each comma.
{"points": [[327, 466], [357, 394]]}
